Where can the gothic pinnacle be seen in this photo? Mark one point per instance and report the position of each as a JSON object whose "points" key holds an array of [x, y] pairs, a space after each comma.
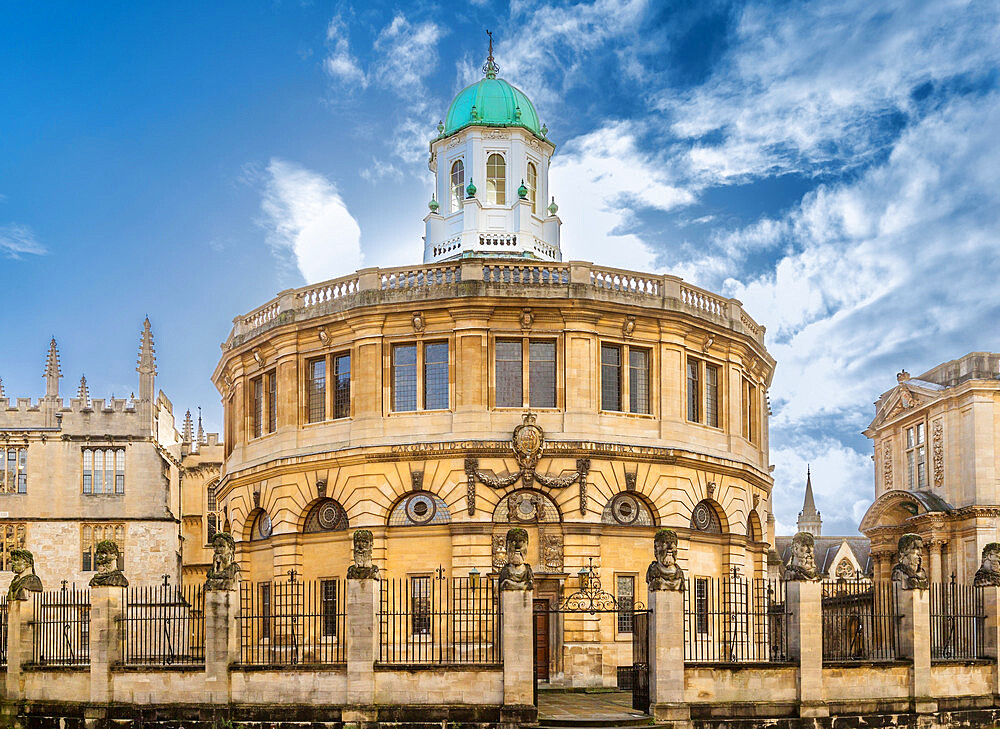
{"points": [[52, 370], [187, 430], [147, 353], [84, 392]]}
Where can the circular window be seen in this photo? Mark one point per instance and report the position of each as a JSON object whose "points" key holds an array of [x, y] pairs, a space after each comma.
{"points": [[704, 518], [420, 508], [262, 527], [625, 509], [329, 515]]}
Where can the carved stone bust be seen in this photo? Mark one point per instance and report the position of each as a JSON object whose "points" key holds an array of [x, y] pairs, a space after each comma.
{"points": [[802, 566], [516, 574], [909, 568], [106, 559], [363, 567], [22, 564], [988, 574], [225, 573], [663, 572]]}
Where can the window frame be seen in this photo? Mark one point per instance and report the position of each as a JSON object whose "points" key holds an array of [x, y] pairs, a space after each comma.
{"points": [[328, 619], [701, 607], [428, 629], [13, 480], [499, 192], [110, 454], [329, 396], [750, 416], [526, 340], [915, 455], [310, 390], [531, 182], [420, 373], [702, 367], [625, 617], [625, 377], [456, 200]]}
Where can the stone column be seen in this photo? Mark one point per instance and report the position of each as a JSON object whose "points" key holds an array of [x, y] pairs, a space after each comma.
{"points": [[666, 656], [222, 642], [105, 639], [805, 643], [20, 614], [915, 644]]}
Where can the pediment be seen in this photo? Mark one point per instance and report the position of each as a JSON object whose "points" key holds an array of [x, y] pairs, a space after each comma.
{"points": [[904, 398]]}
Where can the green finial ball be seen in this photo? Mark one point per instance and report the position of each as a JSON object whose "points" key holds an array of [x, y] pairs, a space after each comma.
{"points": [[470, 191], [522, 191], [440, 127], [553, 208], [545, 130], [433, 204]]}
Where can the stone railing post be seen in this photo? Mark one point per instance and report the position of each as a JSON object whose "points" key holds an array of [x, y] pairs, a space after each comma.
{"points": [[579, 272], [915, 644], [472, 270], [105, 639], [805, 643], [666, 656], [20, 616], [369, 279], [222, 642], [287, 301], [364, 590], [671, 287]]}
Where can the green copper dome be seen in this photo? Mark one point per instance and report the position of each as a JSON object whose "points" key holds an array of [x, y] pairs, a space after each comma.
{"points": [[491, 102]]}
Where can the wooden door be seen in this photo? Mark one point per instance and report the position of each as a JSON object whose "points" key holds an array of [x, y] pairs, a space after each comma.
{"points": [[541, 616]]}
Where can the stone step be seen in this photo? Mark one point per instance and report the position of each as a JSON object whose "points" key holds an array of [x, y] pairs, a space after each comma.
{"points": [[584, 722]]}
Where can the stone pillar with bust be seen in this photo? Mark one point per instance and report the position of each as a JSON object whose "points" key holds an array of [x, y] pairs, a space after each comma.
{"points": [[222, 613], [363, 595], [913, 597], [987, 579], [804, 593], [665, 583], [517, 583], [20, 615], [106, 592]]}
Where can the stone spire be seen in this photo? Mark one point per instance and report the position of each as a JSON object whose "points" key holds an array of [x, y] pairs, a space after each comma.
{"points": [[809, 519], [52, 371], [83, 392], [187, 430], [147, 363]]}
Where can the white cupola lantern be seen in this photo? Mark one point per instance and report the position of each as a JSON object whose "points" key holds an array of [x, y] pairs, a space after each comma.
{"points": [[490, 161]]}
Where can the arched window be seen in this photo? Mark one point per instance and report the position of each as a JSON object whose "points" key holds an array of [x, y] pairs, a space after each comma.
{"points": [[496, 180], [705, 518], [628, 510], [262, 527], [420, 508], [326, 516], [533, 186], [457, 185]]}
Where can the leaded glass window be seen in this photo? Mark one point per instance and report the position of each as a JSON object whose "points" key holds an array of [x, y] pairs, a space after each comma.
{"points": [[509, 388], [694, 390], [104, 470], [626, 600], [436, 376], [330, 598], [272, 402], [420, 605], [712, 395], [404, 377], [638, 373], [542, 374], [316, 389], [342, 393], [257, 407], [611, 377], [14, 470]]}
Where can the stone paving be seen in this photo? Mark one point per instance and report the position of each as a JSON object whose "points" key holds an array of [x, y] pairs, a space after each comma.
{"points": [[603, 707]]}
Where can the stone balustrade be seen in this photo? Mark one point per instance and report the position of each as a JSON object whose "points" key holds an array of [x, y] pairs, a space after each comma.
{"points": [[494, 277]]}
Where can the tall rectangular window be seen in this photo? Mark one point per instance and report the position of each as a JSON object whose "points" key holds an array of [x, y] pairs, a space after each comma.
{"points": [[542, 374], [509, 374], [420, 605], [750, 408], [694, 390], [272, 402], [404, 377], [14, 470], [104, 470], [712, 395], [256, 407], [436, 376], [916, 457], [264, 596], [638, 380], [611, 377], [329, 598], [211, 512], [342, 393], [316, 389], [701, 605], [626, 602]]}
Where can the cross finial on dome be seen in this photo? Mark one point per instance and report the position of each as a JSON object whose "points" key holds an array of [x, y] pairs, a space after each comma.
{"points": [[491, 69]]}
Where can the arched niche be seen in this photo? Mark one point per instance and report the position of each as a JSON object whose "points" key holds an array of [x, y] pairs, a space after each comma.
{"points": [[260, 528], [326, 515], [628, 509], [419, 508], [707, 517], [754, 531]]}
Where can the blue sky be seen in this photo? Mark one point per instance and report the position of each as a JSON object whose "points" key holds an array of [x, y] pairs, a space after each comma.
{"points": [[832, 165]]}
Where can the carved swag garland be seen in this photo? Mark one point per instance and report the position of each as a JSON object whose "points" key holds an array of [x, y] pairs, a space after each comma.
{"points": [[527, 442]]}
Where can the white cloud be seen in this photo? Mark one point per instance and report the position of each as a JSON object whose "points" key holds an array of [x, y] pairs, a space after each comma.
{"points": [[599, 179], [307, 218], [19, 240], [339, 62], [380, 170], [407, 53]]}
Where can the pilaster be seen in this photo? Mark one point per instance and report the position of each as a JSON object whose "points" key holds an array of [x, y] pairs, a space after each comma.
{"points": [[805, 643], [666, 657], [105, 640]]}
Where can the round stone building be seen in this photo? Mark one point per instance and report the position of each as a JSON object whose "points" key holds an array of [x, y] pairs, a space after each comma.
{"points": [[493, 386]]}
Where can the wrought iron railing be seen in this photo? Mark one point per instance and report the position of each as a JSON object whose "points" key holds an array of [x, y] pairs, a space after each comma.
{"points": [[958, 621], [439, 620], [61, 628], [3, 632], [735, 619], [163, 625], [292, 622], [860, 620]]}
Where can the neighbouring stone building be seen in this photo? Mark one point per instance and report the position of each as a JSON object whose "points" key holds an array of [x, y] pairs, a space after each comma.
{"points": [[495, 385], [837, 558], [937, 465], [75, 472]]}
